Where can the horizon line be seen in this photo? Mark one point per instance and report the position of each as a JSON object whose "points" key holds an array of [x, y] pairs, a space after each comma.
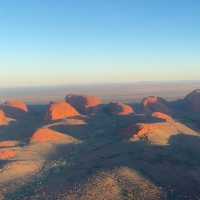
{"points": [[95, 84]]}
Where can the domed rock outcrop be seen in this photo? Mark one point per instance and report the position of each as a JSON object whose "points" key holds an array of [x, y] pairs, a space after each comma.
{"points": [[83, 104], [156, 133], [160, 133], [146, 124], [61, 110], [14, 108], [44, 135], [119, 108], [20, 105], [155, 104], [192, 101]]}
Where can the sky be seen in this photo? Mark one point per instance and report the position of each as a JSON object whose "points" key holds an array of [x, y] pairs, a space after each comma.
{"points": [[51, 42]]}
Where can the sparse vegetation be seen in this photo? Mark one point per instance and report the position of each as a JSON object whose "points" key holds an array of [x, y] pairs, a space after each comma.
{"points": [[89, 157]]}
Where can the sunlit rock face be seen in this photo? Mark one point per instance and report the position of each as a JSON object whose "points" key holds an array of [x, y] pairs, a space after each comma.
{"points": [[3, 119], [84, 104], [7, 154], [15, 109], [160, 132], [9, 143], [118, 108], [162, 116], [156, 133], [192, 101], [157, 121], [46, 135], [61, 110], [20, 105], [155, 104]]}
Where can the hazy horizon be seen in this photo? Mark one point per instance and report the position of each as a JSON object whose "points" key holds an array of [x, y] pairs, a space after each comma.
{"points": [[96, 84], [127, 92]]}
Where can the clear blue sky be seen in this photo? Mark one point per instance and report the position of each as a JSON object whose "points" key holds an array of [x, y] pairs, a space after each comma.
{"points": [[47, 42]]}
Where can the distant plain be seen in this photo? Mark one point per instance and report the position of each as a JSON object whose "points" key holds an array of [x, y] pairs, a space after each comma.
{"points": [[126, 92]]}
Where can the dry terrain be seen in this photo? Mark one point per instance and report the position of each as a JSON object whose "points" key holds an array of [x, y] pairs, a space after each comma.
{"points": [[86, 149]]}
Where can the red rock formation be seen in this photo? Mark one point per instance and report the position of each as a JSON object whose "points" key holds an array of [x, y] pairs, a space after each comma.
{"points": [[158, 133], [143, 132], [44, 135], [3, 119], [8, 154], [8, 143], [192, 101], [162, 116], [61, 110], [14, 109], [145, 129], [20, 105], [155, 104], [119, 108], [83, 104]]}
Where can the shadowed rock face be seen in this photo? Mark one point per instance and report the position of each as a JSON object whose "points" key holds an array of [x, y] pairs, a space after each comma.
{"points": [[61, 110], [83, 104], [192, 101], [119, 108], [155, 104], [44, 135]]}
